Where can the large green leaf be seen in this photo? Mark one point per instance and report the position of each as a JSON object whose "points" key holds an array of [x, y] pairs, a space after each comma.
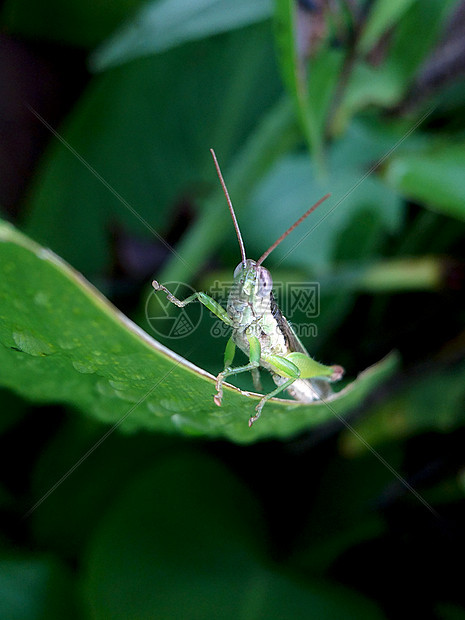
{"points": [[63, 342]]}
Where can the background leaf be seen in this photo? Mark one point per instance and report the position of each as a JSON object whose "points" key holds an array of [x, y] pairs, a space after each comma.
{"points": [[412, 40], [431, 401], [81, 23], [163, 24], [293, 185], [136, 148], [294, 76], [432, 176], [383, 15], [219, 567], [48, 587]]}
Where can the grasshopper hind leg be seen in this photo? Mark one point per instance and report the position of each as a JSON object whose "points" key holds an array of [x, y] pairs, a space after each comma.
{"points": [[256, 379], [262, 402]]}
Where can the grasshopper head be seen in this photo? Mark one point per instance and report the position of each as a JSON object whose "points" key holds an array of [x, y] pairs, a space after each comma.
{"points": [[252, 282]]}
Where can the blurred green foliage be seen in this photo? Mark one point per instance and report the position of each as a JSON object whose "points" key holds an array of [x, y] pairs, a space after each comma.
{"points": [[365, 100]]}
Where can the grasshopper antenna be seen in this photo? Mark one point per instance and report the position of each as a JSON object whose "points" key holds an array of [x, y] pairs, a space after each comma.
{"points": [[289, 230], [233, 215]]}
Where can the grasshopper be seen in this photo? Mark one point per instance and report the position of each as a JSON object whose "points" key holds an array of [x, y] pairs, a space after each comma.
{"points": [[260, 330]]}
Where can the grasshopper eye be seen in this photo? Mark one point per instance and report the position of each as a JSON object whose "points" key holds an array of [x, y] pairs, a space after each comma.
{"points": [[265, 283], [238, 270]]}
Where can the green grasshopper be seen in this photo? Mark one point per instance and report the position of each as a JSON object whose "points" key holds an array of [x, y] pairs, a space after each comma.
{"points": [[261, 331]]}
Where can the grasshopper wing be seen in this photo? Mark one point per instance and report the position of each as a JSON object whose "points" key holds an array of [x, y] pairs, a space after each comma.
{"points": [[303, 389]]}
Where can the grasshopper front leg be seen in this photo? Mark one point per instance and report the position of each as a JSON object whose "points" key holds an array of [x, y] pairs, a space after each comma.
{"points": [[204, 299], [221, 313]]}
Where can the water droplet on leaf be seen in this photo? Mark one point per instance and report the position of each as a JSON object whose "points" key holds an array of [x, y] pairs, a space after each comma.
{"points": [[32, 345]]}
